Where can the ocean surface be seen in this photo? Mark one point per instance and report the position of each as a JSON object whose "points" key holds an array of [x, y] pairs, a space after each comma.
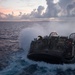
{"points": [[15, 39]]}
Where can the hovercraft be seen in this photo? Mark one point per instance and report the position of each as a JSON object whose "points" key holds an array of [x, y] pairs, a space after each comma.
{"points": [[53, 49]]}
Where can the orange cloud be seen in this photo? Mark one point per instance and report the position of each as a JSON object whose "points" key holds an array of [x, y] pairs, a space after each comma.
{"points": [[5, 11], [16, 12]]}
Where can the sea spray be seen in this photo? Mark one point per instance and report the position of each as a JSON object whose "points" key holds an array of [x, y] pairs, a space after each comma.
{"points": [[28, 34], [20, 66], [62, 29]]}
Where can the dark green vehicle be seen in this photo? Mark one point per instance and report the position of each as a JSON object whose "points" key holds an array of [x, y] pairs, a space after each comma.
{"points": [[53, 49]]}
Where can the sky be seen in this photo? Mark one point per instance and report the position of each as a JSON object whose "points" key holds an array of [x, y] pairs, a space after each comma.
{"points": [[16, 6], [27, 9]]}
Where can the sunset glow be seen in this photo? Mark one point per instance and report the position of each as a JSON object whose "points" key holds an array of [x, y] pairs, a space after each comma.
{"points": [[15, 12], [31, 9], [16, 6]]}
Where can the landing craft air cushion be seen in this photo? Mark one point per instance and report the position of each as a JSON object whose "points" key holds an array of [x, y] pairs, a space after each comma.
{"points": [[53, 49]]}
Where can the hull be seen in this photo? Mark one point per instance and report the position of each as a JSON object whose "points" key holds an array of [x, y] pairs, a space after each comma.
{"points": [[53, 49], [45, 57], [50, 58]]}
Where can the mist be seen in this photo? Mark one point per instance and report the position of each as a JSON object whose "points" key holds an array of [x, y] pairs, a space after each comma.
{"points": [[45, 28], [28, 34]]}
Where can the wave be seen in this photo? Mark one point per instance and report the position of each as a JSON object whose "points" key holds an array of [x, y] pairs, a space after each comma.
{"points": [[20, 65]]}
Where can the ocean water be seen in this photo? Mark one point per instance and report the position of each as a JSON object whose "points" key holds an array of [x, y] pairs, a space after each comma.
{"points": [[15, 39]]}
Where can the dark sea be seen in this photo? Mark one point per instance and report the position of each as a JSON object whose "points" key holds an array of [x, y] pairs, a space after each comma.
{"points": [[15, 39]]}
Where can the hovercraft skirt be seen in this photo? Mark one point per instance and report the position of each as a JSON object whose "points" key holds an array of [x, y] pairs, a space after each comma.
{"points": [[45, 57]]}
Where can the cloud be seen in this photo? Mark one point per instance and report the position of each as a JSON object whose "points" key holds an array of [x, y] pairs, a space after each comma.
{"points": [[67, 6], [37, 13], [70, 9], [20, 14], [64, 3], [40, 9], [62, 8], [25, 16], [52, 9], [9, 17], [2, 16]]}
